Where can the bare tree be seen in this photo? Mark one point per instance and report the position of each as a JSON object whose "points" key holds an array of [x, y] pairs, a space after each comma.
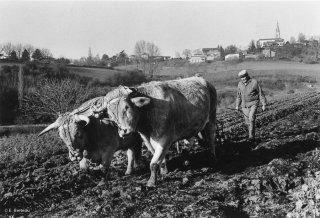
{"points": [[315, 45], [146, 53], [301, 37], [177, 55], [96, 60], [292, 40], [46, 53], [7, 48], [152, 49], [186, 53], [231, 49], [83, 61], [18, 48], [29, 48], [252, 46], [140, 48], [197, 51]]}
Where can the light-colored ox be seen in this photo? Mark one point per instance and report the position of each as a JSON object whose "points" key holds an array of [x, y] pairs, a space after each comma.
{"points": [[163, 113], [90, 139]]}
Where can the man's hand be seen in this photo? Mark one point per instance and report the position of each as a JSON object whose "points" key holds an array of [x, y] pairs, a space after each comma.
{"points": [[263, 107]]}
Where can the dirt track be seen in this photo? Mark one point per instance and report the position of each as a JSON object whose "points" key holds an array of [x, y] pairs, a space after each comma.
{"points": [[278, 176]]}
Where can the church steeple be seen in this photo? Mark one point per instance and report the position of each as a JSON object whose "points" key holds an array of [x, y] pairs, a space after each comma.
{"points": [[277, 31]]}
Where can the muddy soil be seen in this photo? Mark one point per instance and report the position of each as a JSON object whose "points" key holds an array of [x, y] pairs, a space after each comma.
{"points": [[276, 176]]}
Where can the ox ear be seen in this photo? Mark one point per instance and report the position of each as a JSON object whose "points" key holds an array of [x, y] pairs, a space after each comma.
{"points": [[80, 118], [140, 101]]}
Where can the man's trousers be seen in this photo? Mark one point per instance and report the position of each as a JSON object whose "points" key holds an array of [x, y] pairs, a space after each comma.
{"points": [[250, 117]]}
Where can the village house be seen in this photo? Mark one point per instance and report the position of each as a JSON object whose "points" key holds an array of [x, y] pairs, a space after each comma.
{"points": [[207, 55], [212, 53], [270, 42], [268, 53], [198, 58]]}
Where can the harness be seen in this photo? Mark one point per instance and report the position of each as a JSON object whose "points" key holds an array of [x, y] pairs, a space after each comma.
{"points": [[66, 131]]}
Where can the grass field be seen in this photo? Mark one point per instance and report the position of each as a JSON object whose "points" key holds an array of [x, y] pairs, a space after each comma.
{"points": [[96, 73], [222, 69]]}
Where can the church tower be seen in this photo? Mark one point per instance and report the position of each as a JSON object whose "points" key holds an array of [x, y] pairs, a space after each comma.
{"points": [[277, 31]]}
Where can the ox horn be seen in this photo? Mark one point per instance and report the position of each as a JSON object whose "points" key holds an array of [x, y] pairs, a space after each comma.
{"points": [[128, 89], [54, 125], [82, 118]]}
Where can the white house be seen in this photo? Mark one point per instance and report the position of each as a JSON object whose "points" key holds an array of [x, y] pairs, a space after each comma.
{"points": [[230, 57], [198, 58], [270, 42]]}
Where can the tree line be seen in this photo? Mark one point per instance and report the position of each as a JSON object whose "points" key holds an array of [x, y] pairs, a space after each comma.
{"points": [[19, 52]]}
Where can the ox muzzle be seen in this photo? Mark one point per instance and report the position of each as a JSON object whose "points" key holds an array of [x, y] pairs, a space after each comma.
{"points": [[76, 154], [125, 132]]}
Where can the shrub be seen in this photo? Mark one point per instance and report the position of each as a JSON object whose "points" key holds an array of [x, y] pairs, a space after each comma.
{"points": [[54, 96], [309, 60], [8, 105]]}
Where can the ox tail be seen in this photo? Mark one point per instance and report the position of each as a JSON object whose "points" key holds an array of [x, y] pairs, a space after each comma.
{"points": [[211, 127], [213, 100]]}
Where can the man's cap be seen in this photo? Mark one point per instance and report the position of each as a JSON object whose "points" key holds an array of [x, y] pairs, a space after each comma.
{"points": [[243, 73]]}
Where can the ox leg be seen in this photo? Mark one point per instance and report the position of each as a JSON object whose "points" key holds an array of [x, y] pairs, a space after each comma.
{"points": [[209, 132], [146, 141], [131, 158], [157, 159], [137, 153], [106, 160], [163, 167]]}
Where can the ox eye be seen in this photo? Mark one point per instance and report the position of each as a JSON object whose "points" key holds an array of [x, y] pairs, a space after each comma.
{"points": [[78, 134]]}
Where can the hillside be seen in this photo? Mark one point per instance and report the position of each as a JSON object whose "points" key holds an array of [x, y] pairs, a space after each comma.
{"points": [[279, 176]]}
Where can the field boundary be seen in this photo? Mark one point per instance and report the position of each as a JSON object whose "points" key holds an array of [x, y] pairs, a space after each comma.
{"points": [[21, 129]]}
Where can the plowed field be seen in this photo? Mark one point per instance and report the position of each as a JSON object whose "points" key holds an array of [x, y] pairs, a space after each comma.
{"points": [[276, 176]]}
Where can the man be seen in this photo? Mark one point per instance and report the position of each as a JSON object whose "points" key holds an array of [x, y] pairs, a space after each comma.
{"points": [[249, 95]]}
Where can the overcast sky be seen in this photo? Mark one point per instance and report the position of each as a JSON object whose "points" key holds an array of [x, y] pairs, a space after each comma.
{"points": [[69, 28]]}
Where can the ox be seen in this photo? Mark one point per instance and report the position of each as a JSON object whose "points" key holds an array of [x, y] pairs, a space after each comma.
{"points": [[90, 139], [163, 113]]}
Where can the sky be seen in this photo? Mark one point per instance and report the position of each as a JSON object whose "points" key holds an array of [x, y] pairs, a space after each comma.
{"points": [[69, 28]]}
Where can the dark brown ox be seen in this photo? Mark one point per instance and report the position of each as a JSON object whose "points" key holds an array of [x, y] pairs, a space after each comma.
{"points": [[95, 140], [163, 113]]}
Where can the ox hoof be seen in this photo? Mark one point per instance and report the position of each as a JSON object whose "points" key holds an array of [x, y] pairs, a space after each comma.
{"points": [[151, 184], [163, 171], [128, 172]]}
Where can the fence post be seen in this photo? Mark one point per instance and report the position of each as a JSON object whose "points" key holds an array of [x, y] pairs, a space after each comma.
{"points": [[20, 84]]}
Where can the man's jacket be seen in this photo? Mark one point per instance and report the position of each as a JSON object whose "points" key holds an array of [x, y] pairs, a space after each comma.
{"points": [[250, 94]]}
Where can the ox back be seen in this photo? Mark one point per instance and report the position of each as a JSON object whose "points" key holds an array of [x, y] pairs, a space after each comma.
{"points": [[180, 108]]}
